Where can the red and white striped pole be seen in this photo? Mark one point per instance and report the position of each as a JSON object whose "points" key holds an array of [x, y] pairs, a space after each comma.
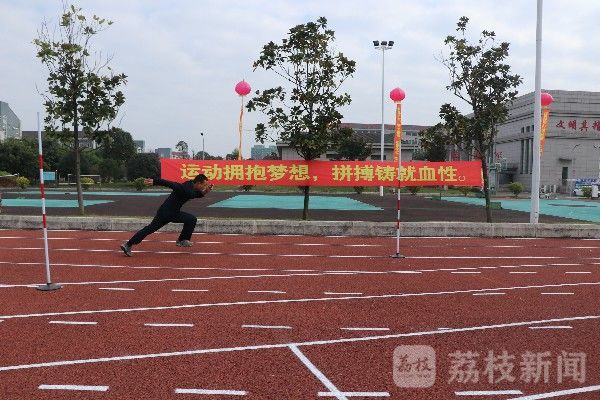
{"points": [[49, 285], [397, 95]]}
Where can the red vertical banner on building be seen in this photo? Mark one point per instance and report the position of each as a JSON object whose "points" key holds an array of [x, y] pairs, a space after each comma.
{"points": [[544, 127], [398, 133]]}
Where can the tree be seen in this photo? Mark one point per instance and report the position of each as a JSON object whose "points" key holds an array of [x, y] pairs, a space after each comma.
{"points": [[19, 157], [183, 148], [146, 165], [116, 150], [305, 113], [433, 142], [83, 92], [352, 147], [480, 77], [233, 155], [272, 156]]}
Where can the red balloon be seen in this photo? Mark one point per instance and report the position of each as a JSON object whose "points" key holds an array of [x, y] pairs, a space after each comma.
{"points": [[397, 95], [242, 88], [547, 99]]}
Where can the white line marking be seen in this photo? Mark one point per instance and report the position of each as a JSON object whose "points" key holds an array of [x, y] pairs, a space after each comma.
{"points": [[443, 329], [73, 322], [255, 243], [299, 270], [171, 325], [298, 255], [342, 294], [189, 290], [578, 272], [267, 326], [488, 393], [489, 294], [362, 245], [465, 272], [365, 329], [558, 294], [212, 392], [355, 394], [311, 244], [565, 265], [284, 301], [266, 291], [558, 393], [74, 387], [283, 345], [523, 272], [115, 288], [552, 327], [250, 254], [406, 272], [315, 371]]}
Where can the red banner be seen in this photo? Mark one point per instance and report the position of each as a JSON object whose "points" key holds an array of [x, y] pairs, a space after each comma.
{"points": [[324, 173]]}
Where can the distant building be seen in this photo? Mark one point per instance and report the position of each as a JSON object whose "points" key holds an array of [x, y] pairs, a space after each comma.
{"points": [[259, 151], [163, 152], [180, 155], [140, 146], [372, 134], [10, 124], [84, 142]]}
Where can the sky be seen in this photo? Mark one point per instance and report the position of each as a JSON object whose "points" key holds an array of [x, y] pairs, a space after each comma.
{"points": [[184, 57]]}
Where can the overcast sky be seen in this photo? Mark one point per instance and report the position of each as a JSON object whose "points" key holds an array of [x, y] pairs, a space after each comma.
{"points": [[184, 57]]}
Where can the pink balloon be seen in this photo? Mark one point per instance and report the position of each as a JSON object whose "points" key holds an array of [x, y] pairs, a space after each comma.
{"points": [[397, 95], [242, 88], [547, 99]]}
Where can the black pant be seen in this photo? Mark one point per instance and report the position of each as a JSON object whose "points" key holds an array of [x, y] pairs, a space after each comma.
{"points": [[160, 220]]}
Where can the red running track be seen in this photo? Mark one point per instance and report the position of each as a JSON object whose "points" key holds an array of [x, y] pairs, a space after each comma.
{"points": [[271, 317]]}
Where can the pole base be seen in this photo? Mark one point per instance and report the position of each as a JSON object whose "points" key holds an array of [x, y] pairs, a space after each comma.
{"points": [[49, 287], [397, 255]]}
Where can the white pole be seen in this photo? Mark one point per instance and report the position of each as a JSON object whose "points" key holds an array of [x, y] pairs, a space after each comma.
{"points": [[537, 120], [49, 285], [382, 113]]}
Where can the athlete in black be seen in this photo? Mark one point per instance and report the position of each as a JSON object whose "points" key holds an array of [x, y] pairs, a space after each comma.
{"points": [[170, 210]]}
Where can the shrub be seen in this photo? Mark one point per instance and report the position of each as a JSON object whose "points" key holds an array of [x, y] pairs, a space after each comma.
{"points": [[464, 190], [86, 183], [414, 190], [246, 188], [516, 188], [359, 189], [587, 191], [139, 184], [22, 182]]}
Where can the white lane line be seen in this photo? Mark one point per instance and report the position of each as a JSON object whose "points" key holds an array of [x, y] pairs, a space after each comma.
{"points": [[266, 326], [506, 246], [284, 345], [488, 393], [342, 294], [250, 254], [365, 329], [74, 387], [362, 245], [465, 272], [299, 270], [318, 374], [285, 301], [255, 243], [170, 325], [354, 394], [267, 291], [558, 293], [578, 272], [73, 322], [311, 244], [523, 272], [212, 392], [444, 329], [115, 288], [189, 290], [558, 393], [298, 255], [580, 247], [489, 294], [565, 265], [406, 272], [552, 327]]}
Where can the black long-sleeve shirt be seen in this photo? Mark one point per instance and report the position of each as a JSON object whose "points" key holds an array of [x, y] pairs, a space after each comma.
{"points": [[182, 192]]}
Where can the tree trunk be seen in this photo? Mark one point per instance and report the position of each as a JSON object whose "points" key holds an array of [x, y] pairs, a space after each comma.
{"points": [[78, 170], [306, 198], [486, 189]]}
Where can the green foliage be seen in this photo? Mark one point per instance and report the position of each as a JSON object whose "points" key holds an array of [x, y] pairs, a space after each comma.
{"points": [[83, 92], [247, 188], [144, 164], [358, 189], [19, 157], [118, 145], [305, 113], [86, 183], [414, 190], [587, 192], [182, 147], [480, 77], [352, 147], [433, 142], [516, 188], [22, 182], [233, 155], [464, 190], [139, 184], [4, 173]]}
